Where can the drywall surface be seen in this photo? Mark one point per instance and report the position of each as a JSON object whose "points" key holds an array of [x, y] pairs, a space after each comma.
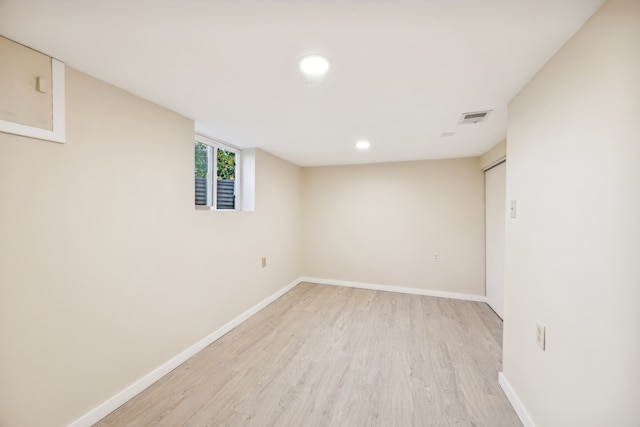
{"points": [[383, 223], [106, 269], [572, 255]]}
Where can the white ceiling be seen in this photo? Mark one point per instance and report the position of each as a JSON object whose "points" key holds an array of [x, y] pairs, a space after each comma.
{"points": [[402, 71]]}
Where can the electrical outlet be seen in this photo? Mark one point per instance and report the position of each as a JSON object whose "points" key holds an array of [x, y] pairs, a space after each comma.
{"points": [[540, 335], [264, 261], [436, 257], [513, 209]]}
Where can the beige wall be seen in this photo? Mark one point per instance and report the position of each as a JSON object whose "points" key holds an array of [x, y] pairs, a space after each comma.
{"points": [[573, 253], [497, 152], [106, 269], [382, 223], [20, 101]]}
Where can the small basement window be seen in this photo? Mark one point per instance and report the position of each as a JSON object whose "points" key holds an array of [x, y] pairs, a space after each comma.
{"points": [[216, 174]]}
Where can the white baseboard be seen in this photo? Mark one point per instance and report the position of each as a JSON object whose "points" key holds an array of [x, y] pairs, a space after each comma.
{"points": [[515, 401], [387, 288], [131, 391], [128, 393]]}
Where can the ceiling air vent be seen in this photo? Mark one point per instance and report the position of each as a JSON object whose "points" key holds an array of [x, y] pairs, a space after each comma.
{"points": [[474, 117]]}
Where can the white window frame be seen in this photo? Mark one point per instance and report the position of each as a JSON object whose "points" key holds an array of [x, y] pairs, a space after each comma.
{"points": [[212, 172]]}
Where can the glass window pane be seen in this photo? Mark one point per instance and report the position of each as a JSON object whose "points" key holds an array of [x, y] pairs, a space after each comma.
{"points": [[226, 166], [201, 169]]}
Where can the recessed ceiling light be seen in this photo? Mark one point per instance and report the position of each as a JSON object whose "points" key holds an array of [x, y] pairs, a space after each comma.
{"points": [[447, 134], [314, 64], [314, 68], [363, 145]]}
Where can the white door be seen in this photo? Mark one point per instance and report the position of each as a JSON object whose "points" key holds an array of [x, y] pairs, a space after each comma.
{"points": [[495, 205]]}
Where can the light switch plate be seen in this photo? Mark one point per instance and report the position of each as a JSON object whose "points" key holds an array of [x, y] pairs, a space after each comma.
{"points": [[42, 84]]}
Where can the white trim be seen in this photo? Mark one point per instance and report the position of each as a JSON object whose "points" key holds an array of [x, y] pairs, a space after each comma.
{"points": [[206, 139], [58, 132], [105, 408], [515, 401], [494, 164], [110, 405], [387, 288]]}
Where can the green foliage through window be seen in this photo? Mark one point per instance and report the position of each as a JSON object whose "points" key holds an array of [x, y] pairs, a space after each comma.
{"points": [[226, 165], [226, 162], [201, 160]]}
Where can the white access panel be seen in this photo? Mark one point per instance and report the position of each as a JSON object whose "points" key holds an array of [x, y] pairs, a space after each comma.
{"points": [[495, 205]]}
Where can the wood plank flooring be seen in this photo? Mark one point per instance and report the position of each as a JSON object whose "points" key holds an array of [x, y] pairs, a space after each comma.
{"points": [[333, 356]]}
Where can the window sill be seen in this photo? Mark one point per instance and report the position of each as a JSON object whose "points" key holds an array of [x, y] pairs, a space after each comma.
{"points": [[212, 209]]}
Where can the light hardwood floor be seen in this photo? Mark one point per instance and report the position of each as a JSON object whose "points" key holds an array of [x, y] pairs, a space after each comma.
{"points": [[333, 356]]}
